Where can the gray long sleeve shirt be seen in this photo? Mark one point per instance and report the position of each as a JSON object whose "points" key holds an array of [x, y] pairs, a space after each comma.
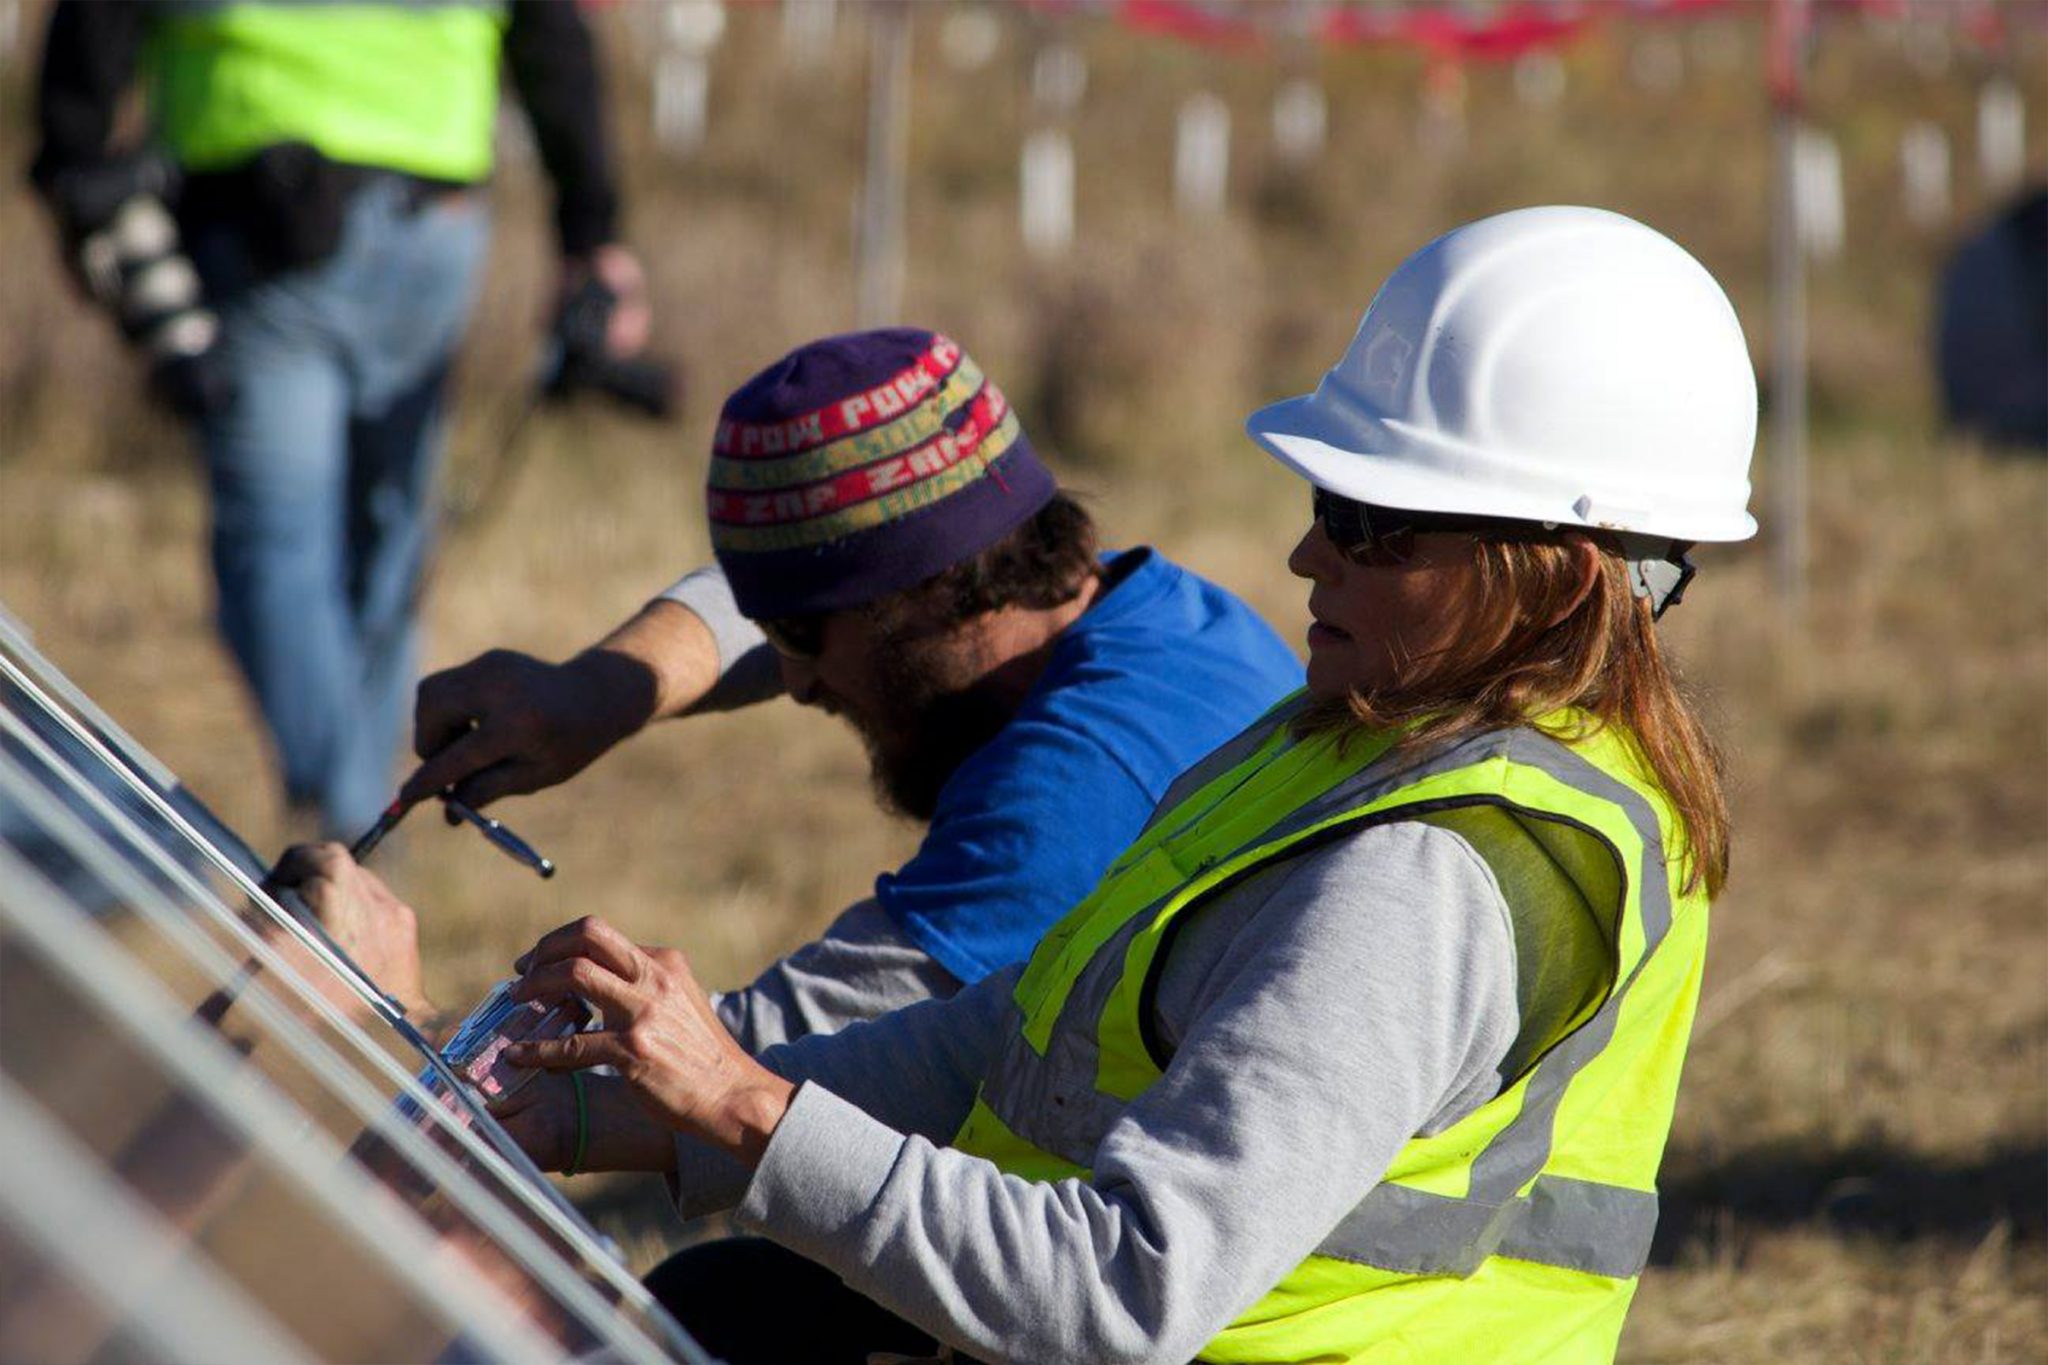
{"points": [[1320, 1014]]}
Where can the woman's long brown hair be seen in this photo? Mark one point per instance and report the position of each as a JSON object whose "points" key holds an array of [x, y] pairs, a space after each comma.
{"points": [[1513, 666]]}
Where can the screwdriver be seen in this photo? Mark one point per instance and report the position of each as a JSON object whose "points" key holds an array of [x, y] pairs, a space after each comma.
{"points": [[495, 831], [514, 846], [374, 835]]}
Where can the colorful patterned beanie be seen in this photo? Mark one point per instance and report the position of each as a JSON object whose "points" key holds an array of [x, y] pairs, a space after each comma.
{"points": [[861, 465]]}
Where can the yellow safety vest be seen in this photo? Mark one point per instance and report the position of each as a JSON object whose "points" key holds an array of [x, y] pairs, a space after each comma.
{"points": [[400, 87], [1516, 1234]]}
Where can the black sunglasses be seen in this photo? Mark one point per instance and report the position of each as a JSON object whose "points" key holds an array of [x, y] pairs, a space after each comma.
{"points": [[799, 637], [1374, 536], [1366, 533]]}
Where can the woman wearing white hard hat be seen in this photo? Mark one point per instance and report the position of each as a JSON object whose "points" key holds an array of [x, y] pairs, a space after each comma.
{"points": [[1367, 1049]]}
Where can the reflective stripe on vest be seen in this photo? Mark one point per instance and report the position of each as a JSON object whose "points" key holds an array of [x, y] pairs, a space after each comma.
{"points": [[1507, 1181], [407, 87]]}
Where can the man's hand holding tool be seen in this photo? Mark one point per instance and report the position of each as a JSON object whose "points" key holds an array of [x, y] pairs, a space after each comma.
{"points": [[506, 724]]}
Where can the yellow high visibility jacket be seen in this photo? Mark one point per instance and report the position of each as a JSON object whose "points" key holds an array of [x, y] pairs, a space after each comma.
{"points": [[1516, 1234], [403, 87]]}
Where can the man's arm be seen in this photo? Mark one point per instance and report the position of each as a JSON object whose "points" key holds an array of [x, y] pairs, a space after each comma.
{"points": [[506, 723], [554, 66], [862, 967], [746, 667], [553, 62], [88, 62]]}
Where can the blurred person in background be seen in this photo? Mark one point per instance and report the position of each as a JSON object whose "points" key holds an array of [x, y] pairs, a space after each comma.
{"points": [[327, 165], [1991, 339], [1367, 1048], [891, 550]]}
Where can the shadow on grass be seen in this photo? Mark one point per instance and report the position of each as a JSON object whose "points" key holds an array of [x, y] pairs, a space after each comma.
{"points": [[1871, 1191]]}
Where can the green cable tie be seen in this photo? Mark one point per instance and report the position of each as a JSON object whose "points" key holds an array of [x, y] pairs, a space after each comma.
{"points": [[582, 1125]]}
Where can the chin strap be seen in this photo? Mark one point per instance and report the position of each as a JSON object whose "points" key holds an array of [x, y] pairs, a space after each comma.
{"points": [[1658, 570]]}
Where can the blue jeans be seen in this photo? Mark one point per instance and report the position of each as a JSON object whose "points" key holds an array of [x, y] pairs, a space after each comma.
{"points": [[322, 474]]}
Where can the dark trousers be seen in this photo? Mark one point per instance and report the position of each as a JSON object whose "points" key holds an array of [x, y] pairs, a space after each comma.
{"points": [[749, 1302]]}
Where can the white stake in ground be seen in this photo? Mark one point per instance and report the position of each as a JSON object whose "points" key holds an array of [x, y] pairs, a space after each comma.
{"points": [[1045, 193], [682, 101], [881, 251], [1440, 131], [1045, 170], [1924, 174], [1539, 79], [2001, 135], [1817, 181], [1059, 78], [1789, 27], [1201, 156], [970, 39], [1301, 122], [690, 29]]}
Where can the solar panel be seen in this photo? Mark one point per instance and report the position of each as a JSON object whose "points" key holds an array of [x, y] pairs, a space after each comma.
{"points": [[217, 1144]]}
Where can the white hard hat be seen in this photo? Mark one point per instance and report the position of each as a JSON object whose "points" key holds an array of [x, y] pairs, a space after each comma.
{"points": [[1560, 365]]}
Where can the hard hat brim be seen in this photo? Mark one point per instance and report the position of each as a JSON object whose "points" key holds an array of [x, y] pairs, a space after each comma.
{"points": [[1417, 474]]}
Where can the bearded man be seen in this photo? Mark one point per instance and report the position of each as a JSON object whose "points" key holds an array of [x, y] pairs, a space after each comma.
{"points": [[891, 550]]}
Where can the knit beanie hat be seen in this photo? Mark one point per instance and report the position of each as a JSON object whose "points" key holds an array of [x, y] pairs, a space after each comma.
{"points": [[861, 465]]}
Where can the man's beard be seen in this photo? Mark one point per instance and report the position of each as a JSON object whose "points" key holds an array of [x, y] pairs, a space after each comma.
{"points": [[930, 726]]}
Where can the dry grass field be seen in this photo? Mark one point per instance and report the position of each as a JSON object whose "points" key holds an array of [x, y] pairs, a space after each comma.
{"points": [[1859, 1171]]}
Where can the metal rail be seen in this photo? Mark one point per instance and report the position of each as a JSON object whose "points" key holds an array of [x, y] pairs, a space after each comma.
{"points": [[484, 1140]]}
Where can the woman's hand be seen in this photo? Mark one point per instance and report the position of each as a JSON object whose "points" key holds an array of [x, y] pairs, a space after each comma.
{"points": [[617, 1134], [660, 1034]]}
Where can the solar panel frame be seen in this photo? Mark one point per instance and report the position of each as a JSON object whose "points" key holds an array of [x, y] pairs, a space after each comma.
{"points": [[274, 964], [15, 639], [110, 1246], [152, 1021], [307, 934], [245, 872], [482, 1139], [373, 1108]]}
